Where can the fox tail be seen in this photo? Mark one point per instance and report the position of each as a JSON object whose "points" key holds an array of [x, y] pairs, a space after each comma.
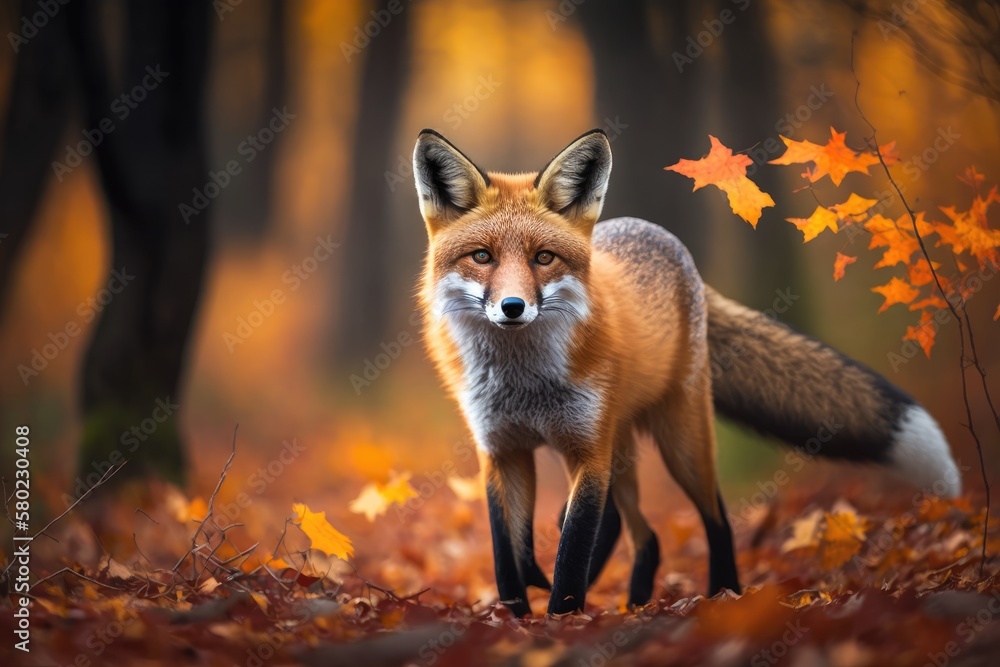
{"points": [[805, 393]]}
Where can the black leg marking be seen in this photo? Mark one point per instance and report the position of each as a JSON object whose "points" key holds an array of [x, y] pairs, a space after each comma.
{"points": [[576, 546], [512, 590], [721, 555], [607, 537], [528, 567], [647, 559]]}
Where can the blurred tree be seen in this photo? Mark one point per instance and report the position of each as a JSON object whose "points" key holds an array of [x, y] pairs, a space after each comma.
{"points": [[252, 208], [147, 139], [658, 100], [369, 276], [958, 41], [39, 99], [149, 167]]}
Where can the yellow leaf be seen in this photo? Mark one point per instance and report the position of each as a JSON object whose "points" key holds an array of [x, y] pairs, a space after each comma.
{"points": [[822, 218], [728, 172], [854, 206], [322, 536], [375, 499]]}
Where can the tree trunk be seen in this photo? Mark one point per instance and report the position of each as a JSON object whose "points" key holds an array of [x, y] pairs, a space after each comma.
{"points": [[37, 114], [369, 275], [149, 166]]}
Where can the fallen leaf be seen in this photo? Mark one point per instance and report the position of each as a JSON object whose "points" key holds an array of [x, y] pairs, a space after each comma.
{"points": [[375, 499], [321, 534]]}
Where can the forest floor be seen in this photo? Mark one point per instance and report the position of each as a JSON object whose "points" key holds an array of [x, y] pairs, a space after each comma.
{"points": [[880, 580]]}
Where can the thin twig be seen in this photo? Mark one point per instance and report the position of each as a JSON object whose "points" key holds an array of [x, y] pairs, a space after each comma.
{"points": [[962, 327], [108, 474]]}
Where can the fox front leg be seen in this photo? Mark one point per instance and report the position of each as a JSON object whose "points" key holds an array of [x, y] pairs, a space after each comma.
{"points": [[510, 497], [579, 535]]}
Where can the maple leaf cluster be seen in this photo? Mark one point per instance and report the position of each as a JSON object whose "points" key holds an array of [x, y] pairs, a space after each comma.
{"points": [[964, 235]]}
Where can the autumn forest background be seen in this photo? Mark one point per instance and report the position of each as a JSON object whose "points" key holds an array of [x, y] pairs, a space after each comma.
{"points": [[259, 189]]}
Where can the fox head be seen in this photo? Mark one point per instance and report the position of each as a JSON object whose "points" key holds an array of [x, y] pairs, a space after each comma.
{"points": [[510, 249]]}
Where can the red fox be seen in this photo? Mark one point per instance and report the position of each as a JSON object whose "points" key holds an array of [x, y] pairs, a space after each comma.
{"points": [[548, 328]]}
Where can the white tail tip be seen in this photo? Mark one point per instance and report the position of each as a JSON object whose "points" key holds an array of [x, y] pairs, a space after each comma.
{"points": [[920, 454]]}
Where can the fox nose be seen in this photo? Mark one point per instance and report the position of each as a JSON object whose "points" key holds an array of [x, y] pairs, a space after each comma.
{"points": [[512, 307]]}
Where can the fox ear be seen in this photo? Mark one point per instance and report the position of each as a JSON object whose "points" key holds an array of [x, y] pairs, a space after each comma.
{"points": [[448, 183], [574, 183]]}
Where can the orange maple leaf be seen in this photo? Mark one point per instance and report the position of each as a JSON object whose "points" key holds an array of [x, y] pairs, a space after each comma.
{"points": [[972, 230], [822, 218], [322, 536], [923, 333], [920, 272], [972, 177], [840, 264], [932, 301], [895, 291], [835, 158], [728, 172]]}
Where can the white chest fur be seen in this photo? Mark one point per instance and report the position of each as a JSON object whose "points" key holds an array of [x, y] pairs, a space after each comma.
{"points": [[517, 390]]}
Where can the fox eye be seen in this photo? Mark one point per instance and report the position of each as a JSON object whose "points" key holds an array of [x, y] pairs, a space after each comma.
{"points": [[544, 257], [481, 257]]}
